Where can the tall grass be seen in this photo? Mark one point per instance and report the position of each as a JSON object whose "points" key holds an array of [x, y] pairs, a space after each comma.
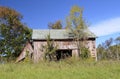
{"points": [[61, 70]]}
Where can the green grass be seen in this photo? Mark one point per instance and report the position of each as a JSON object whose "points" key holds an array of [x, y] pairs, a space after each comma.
{"points": [[62, 70]]}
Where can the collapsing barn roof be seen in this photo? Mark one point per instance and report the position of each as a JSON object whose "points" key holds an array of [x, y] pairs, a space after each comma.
{"points": [[57, 34]]}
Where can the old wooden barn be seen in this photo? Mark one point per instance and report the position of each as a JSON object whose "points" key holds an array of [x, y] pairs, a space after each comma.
{"points": [[62, 39]]}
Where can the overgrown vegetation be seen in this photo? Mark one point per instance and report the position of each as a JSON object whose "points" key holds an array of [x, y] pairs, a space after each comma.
{"points": [[49, 49], [62, 70], [85, 53]]}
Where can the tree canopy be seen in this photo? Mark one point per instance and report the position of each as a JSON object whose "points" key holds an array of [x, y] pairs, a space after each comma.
{"points": [[13, 33], [77, 26], [75, 19], [56, 25], [109, 50]]}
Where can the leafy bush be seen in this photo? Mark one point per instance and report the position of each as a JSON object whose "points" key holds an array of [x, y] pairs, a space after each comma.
{"points": [[85, 53]]}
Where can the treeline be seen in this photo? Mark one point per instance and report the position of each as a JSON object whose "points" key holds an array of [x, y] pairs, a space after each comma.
{"points": [[109, 50]]}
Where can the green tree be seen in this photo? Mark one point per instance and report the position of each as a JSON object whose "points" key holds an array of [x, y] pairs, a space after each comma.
{"points": [[77, 26], [109, 51], [101, 52], [13, 33], [108, 44], [56, 25], [104, 51], [117, 40], [49, 49], [85, 53]]}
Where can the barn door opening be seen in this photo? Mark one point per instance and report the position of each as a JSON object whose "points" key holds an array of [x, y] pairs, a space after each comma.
{"points": [[62, 54]]}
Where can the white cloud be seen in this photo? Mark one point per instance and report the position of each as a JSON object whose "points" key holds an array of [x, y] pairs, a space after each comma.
{"points": [[106, 27]]}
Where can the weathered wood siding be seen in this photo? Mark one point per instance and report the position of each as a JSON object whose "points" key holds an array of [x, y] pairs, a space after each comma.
{"points": [[91, 45], [38, 51]]}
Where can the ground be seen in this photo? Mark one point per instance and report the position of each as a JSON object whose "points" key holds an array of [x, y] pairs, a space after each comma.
{"points": [[61, 70]]}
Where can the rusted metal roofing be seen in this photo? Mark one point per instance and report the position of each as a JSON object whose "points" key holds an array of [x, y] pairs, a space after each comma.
{"points": [[56, 34]]}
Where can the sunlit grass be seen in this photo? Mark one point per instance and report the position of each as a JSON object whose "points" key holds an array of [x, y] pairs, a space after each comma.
{"points": [[61, 70]]}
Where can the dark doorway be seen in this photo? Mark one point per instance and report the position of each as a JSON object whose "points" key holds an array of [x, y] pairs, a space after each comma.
{"points": [[62, 54]]}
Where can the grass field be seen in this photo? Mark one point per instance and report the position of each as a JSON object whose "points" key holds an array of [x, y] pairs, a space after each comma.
{"points": [[61, 70]]}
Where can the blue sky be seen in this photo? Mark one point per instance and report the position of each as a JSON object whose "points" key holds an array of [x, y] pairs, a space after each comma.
{"points": [[103, 16]]}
